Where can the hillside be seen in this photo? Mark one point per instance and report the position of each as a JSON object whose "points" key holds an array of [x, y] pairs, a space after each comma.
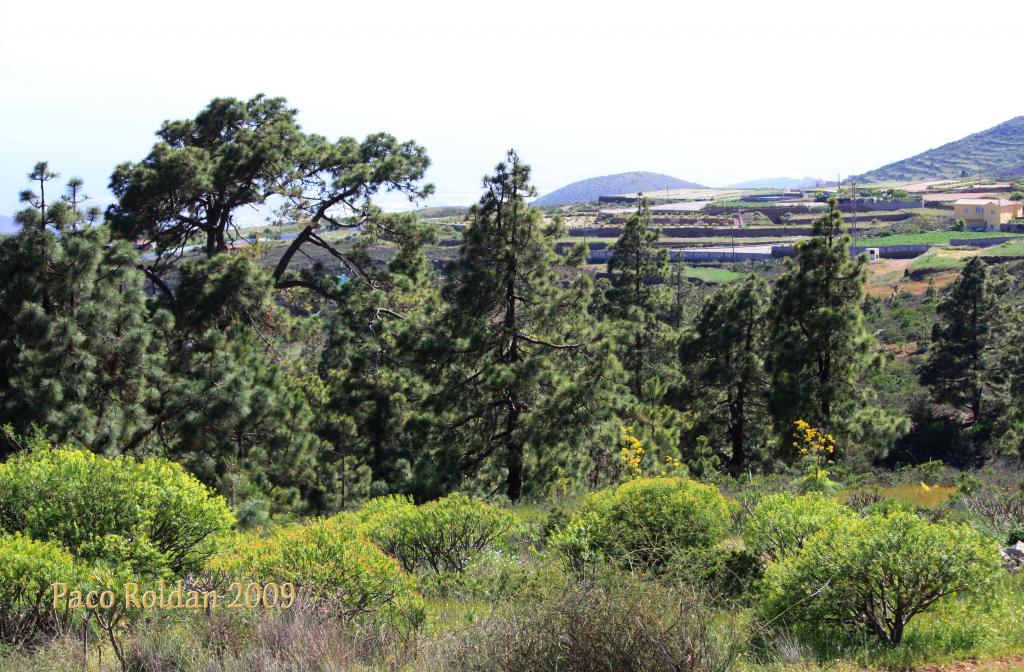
{"points": [[778, 183], [997, 152], [611, 185]]}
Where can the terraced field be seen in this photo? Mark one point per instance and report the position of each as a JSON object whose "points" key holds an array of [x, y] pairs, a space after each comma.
{"points": [[930, 238]]}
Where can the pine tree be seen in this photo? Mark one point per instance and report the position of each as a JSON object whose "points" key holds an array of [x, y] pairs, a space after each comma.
{"points": [[1013, 361], [966, 362], [819, 346], [639, 300], [521, 384], [75, 341], [233, 406], [373, 369], [641, 307], [725, 355], [237, 154], [638, 268]]}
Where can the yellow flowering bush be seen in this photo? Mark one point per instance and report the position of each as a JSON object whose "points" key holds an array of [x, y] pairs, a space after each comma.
{"points": [[643, 523], [631, 452], [817, 450], [441, 536], [151, 516], [329, 561]]}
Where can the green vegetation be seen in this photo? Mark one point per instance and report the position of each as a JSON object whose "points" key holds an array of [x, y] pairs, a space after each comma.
{"points": [[444, 535], [995, 152], [1014, 249], [28, 569], [152, 516], [487, 459], [332, 564], [643, 524], [722, 350], [781, 523], [933, 260], [968, 358], [712, 275], [819, 348], [929, 238], [875, 574]]}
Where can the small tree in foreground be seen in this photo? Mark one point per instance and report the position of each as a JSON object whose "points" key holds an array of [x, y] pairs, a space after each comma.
{"points": [[875, 574]]}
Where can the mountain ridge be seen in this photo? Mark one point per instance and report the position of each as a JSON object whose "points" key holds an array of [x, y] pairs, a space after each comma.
{"points": [[778, 183], [994, 152], [593, 188]]}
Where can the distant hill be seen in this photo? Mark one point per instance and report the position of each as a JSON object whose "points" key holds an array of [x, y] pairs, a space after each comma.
{"points": [[1015, 171], [7, 225], [439, 211], [612, 185], [778, 183], [997, 152]]}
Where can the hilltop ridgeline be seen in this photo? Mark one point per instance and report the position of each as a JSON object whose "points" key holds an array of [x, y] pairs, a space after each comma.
{"points": [[996, 152], [611, 185]]}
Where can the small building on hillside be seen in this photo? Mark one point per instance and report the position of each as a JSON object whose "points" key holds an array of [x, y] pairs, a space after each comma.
{"points": [[990, 213]]}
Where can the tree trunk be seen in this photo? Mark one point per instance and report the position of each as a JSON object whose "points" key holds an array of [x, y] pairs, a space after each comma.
{"points": [[738, 429], [514, 462]]}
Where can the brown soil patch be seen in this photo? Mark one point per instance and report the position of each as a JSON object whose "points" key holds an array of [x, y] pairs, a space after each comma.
{"points": [[919, 287], [883, 274], [1015, 663]]}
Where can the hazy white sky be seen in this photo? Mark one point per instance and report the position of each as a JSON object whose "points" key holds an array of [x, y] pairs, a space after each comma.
{"points": [[713, 92]]}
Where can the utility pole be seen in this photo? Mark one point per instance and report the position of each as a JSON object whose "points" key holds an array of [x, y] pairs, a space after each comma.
{"points": [[854, 213], [732, 232]]}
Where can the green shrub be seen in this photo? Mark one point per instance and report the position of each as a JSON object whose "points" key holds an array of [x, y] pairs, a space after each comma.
{"points": [[781, 522], [28, 570], [442, 536], [642, 524], [151, 516], [889, 506], [718, 571], [875, 574], [494, 576], [330, 562], [382, 507]]}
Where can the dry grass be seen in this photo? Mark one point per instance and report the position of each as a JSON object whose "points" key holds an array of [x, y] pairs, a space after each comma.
{"points": [[632, 627], [916, 494]]}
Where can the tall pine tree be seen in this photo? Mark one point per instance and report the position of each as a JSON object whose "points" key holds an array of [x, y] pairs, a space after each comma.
{"points": [[373, 366], [819, 347], [641, 309], [523, 390], [75, 341], [725, 357], [639, 299], [966, 366]]}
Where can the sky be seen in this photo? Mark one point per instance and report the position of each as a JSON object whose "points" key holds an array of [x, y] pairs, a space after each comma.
{"points": [[712, 92]]}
